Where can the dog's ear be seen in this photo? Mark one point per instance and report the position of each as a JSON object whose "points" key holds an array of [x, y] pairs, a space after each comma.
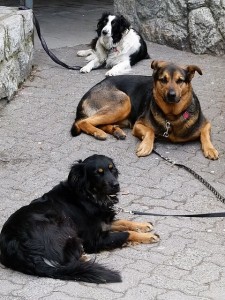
{"points": [[77, 175], [191, 71], [156, 64], [124, 23], [100, 23]]}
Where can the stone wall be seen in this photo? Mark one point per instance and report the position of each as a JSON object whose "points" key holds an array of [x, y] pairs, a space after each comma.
{"points": [[193, 25], [16, 49]]}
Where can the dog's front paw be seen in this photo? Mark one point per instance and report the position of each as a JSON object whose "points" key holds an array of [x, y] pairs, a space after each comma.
{"points": [[144, 149], [82, 53], [211, 153], [112, 73], [142, 238], [153, 238], [119, 133], [144, 227], [109, 73], [85, 69]]}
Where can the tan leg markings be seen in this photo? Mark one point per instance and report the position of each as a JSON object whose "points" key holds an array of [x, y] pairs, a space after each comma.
{"points": [[86, 126], [114, 130], [124, 225], [105, 116], [207, 147], [147, 135], [142, 238]]}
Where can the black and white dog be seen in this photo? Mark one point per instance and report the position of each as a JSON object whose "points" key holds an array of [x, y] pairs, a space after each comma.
{"points": [[118, 46]]}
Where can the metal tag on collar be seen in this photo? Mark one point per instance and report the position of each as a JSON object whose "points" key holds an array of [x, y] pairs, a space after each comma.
{"points": [[119, 209], [166, 133], [186, 115]]}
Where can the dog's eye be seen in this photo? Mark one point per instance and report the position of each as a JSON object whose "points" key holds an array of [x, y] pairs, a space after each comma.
{"points": [[163, 80], [100, 171], [110, 167], [180, 80]]}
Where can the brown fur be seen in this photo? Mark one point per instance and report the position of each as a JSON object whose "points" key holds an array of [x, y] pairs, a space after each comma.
{"points": [[138, 232], [147, 104]]}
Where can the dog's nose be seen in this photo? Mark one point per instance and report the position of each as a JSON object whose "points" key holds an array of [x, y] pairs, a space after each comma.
{"points": [[171, 96], [104, 31], [116, 186]]}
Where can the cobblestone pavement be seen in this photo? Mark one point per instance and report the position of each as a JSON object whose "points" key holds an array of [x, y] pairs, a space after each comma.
{"points": [[36, 152]]}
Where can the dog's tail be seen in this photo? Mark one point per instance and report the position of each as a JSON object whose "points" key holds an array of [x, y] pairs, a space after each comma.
{"points": [[77, 270], [68, 265], [75, 130]]}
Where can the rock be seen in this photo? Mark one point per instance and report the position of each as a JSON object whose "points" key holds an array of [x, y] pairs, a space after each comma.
{"points": [[204, 36], [16, 49], [194, 25]]}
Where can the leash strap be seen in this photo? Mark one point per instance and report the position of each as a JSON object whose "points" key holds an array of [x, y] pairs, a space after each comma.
{"points": [[197, 176], [44, 45], [208, 215]]}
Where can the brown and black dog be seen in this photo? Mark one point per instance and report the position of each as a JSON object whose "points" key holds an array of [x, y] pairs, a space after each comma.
{"points": [[160, 105]]}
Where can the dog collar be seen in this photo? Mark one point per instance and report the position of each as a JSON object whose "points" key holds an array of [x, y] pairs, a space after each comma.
{"points": [[185, 115], [114, 49]]}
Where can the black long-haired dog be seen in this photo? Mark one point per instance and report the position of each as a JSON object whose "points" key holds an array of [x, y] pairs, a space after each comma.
{"points": [[49, 237]]}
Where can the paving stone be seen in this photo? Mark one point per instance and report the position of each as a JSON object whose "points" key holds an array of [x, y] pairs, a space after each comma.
{"points": [[36, 152]]}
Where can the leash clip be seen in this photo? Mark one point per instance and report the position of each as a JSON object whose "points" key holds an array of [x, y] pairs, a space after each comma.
{"points": [[168, 126], [120, 209]]}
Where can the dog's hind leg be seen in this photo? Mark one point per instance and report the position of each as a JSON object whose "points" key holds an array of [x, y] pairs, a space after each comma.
{"points": [[207, 146], [89, 126], [120, 68], [114, 130], [104, 117]]}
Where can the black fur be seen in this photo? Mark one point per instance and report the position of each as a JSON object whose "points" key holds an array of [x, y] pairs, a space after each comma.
{"points": [[48, 237]]}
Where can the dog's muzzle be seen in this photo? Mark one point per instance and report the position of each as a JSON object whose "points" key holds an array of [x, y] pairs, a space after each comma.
{"points": [[114, 188], [172, 97], [104, 32]]}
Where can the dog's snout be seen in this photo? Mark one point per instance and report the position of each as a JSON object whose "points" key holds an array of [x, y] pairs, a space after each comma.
{"points": [[116, 187], [104, 32], [172, 96], [171, 93]]}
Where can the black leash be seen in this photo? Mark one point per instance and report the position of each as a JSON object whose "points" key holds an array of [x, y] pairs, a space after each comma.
{"points": [[197, 176], [206, 215], [44, 45]]}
